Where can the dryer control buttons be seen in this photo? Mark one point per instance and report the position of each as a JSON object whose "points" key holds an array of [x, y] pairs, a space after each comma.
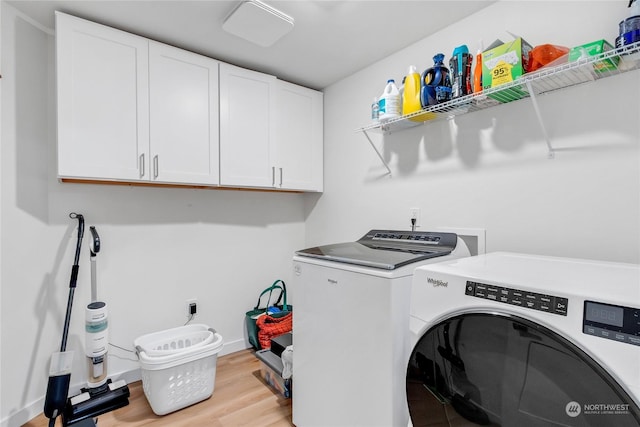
{"points": [[612, 322], [520, 298]]}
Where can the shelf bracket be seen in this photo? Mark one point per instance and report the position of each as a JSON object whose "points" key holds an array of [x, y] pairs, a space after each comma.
{"points": [[377, 152], [536, 107]]}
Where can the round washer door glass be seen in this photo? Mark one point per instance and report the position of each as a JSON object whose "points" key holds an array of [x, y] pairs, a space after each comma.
{"points": [[500, 370]]}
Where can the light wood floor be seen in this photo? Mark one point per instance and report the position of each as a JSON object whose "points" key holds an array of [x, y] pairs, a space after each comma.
{"points": [[240, 398]]}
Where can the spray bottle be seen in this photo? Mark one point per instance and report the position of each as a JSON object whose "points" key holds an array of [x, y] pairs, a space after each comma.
{"points": [[477, 71]]}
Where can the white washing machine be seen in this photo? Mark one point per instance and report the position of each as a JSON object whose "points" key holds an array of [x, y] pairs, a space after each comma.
{"points": [[508, 339], [351, 326]]}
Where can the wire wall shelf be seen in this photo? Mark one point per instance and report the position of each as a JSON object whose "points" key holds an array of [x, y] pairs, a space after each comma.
{"points": [[528, 86]]}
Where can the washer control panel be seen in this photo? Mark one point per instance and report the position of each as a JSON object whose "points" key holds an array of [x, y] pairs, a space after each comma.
{"points": [[413, 237], [612, 322], [520, 298]]}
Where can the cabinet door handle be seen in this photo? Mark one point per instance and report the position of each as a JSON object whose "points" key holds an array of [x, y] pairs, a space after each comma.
{"points": [[155, 166], [280, 177], [273, 176], [141, 165]]}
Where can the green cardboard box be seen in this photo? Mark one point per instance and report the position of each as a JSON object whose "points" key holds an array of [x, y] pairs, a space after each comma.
{"points": [[597, 47], [504, 64]]}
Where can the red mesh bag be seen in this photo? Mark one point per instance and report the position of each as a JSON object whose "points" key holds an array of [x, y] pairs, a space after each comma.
{"points": [[270, 327]]}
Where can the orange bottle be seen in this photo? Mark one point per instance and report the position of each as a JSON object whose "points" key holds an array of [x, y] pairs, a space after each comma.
{"points": [[477, 72]]}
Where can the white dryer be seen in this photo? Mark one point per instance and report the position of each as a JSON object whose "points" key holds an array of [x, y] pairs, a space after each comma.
{"points": [[508, 339], [351, 326]]}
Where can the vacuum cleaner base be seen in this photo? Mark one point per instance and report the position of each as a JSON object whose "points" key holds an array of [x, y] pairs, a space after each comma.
{"points": [[87, 422], [93, 402]]}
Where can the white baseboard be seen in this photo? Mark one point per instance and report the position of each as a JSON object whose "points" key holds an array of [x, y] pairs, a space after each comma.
{"points": [[233, 346], [35, 408]]}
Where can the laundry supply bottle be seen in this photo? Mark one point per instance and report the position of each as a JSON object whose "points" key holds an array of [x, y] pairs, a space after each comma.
{"points": [[460, 66], [477, 71], [375, 110], [435, 83], [389, 103], [634, 5], [629, 28], [411, 94]]}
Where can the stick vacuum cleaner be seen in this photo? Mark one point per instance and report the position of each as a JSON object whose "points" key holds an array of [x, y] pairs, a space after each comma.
{"points": [[101, 395]]}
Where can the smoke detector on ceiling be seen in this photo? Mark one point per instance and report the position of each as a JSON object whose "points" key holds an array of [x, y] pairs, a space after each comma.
{"points": [[258, 23]]}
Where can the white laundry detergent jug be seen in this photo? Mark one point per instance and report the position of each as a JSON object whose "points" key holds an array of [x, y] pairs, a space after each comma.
{"points": [[389, 103]]}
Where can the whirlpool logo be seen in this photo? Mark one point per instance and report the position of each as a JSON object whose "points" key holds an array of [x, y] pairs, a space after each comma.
{"points": [[436, 283]]}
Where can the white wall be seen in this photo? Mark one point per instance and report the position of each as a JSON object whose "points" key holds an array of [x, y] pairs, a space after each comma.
{"points": [[1, 84], [495, 175], [160, 246], [164, 246]]}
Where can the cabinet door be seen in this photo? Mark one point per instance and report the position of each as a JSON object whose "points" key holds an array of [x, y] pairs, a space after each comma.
{"points": [[103, 101], [246, 105], [183, 88], [299, 137]]}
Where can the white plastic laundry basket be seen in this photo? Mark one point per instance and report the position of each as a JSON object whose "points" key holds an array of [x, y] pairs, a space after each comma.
{"points": [[178, 366]]}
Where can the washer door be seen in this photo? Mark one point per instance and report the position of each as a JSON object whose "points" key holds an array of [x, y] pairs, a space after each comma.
{"points": [[501, 370]]}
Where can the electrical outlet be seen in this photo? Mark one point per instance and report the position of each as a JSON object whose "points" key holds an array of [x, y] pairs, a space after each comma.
{"points": [[192, 307], [414, 213]]}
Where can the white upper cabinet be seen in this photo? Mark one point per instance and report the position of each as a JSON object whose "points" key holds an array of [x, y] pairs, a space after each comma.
{"points": [[135, 110], [183, 93], [103, 101], [132, 109], [270, 132], [299, 137], [247, 103]]}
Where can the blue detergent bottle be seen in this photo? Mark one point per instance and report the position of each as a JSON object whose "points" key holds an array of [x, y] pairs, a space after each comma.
{"points": [[435, 83]]}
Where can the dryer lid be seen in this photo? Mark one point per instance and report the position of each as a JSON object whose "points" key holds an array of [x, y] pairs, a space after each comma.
{"points": [[386, 249]]}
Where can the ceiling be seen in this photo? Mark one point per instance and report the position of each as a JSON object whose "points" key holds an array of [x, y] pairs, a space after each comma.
{"points": [[330, 40]]}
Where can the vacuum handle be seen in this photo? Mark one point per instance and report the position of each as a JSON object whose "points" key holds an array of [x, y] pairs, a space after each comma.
{"points": [[58, 384], [94, 248], [74, 276], [76, 267], [74, 279], [95, 241]]}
